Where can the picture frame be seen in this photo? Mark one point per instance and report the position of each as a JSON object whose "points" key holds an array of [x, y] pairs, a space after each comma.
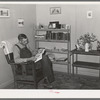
{"points": [[4, 12], [20, 22], [55, 10], [89, 14]]}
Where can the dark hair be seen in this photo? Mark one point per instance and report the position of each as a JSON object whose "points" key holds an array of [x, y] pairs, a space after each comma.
{"points": [[22, 36]]}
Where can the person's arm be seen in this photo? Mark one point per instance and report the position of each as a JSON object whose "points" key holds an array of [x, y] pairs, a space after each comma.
{"points": [[17, 58]]}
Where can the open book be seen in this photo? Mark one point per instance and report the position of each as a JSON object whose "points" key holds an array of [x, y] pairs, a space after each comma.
{"points": [[38, 56]]}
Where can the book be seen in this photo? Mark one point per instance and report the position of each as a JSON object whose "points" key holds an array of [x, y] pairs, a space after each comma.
{"points": [[48, 35], [54, 36], [38, 56], [60, 36]]}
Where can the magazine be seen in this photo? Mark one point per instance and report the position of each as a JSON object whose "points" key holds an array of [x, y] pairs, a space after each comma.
{"points": [[38, 56]]}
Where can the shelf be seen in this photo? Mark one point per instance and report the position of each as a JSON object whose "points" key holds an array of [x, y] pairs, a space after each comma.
{"points": [[60, 62], [59, 41], [55, 51], [88, 65], [60, 30], [82, 52], [56, 36]]}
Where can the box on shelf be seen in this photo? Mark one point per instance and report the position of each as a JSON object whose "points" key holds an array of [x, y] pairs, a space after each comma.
{"points": [[65, 26], [54, 25]]}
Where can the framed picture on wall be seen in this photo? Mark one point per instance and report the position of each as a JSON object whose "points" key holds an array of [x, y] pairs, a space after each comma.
{"points": [[4, 12], [20, 22], [89, 14], [55, 10]]}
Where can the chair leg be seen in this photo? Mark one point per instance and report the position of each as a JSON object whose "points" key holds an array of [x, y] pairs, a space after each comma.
{"points": [[35, 85], [15, 85], [73, 70]]}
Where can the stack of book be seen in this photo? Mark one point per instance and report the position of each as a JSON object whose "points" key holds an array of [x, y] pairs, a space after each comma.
{"points": [[57, 35]]}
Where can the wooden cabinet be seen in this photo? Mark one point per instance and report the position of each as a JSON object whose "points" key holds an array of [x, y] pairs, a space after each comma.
{"points": [[58, 36]]}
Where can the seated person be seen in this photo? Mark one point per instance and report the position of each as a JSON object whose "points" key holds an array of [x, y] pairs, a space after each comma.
{"points": [[23, 53]]}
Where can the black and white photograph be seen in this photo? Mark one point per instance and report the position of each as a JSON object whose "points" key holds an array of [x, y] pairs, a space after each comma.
{"points": [[4, 12], [55, 10], [50, 46]]}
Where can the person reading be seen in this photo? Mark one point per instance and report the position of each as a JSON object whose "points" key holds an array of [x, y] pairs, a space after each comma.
{"points": [[23, 53]]}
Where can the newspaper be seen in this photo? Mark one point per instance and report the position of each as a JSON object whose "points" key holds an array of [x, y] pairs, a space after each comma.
{"points": [[38, 56]]}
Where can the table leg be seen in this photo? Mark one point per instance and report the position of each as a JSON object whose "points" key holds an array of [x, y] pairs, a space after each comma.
{"points": [[76, 57], [76, 70], [72, 64], [99, 69], [76, 60], [68, 68]]}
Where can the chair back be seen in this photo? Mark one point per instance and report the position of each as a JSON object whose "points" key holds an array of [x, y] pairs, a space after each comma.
{"points": [[10, 58], [7, 46]]}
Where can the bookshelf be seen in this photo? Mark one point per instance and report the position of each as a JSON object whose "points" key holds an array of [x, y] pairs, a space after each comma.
{"points": [[59, 36]]}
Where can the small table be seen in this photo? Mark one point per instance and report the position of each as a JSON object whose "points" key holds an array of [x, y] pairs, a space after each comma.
{"points": [[83, 64]]}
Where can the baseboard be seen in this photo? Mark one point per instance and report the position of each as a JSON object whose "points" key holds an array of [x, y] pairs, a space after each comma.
{"points": [[3, 85]]}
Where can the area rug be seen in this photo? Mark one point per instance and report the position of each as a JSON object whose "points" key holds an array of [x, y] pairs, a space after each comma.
{"points": [[68, 81]]}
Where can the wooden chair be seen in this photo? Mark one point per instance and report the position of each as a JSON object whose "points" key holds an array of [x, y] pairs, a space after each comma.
{"points": [[22, 74]]}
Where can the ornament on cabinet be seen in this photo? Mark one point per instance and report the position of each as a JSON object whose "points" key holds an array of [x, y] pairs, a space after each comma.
{"points": [[85, 41]]}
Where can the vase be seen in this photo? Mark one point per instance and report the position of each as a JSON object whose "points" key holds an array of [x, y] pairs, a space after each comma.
{"points": [[86, 47]]}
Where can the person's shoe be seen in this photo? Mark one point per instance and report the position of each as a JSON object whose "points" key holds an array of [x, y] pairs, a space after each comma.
{"points": [[48, 86], [46, 81]]}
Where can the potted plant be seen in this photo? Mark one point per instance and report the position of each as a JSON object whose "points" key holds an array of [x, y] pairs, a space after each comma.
{"points": [[87, 40]]}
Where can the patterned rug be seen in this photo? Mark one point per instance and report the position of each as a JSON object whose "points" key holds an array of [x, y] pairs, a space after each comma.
{"points": [[65, 81]]}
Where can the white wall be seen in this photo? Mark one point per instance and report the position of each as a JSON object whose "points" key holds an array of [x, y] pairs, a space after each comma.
{"points": [[67, 16], [76, 16], [10, 29], [85, 25]]}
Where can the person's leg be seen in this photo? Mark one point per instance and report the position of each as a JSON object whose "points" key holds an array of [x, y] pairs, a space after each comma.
{"points": [[47, 69]]}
